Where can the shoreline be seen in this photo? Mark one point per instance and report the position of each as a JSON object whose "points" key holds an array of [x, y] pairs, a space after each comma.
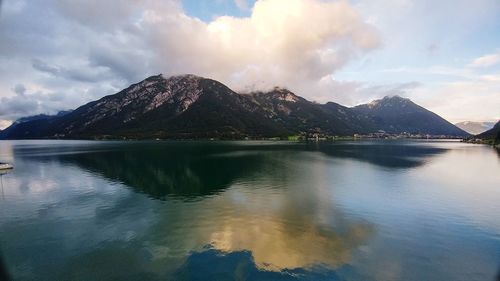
{"points": [[242, 140]]}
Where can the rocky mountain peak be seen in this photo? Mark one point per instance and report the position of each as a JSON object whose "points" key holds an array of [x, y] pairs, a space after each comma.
{"points": [[143, 97], [389, 101], [158, 90], [395, 99], [281, 94]]}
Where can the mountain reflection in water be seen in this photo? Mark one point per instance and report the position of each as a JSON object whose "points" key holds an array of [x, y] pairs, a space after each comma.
{"points": [[190, 170], [288, 234]]}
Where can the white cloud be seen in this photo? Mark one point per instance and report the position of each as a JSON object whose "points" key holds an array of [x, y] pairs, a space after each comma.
{"points": [[285, 42], [486, 60]]}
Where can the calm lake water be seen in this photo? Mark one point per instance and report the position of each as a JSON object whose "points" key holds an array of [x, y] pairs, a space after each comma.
{"points": [[368, 210]]}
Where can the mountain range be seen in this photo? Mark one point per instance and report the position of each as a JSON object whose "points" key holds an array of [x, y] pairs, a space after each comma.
{"points": [[475, 128], [190, 107]]}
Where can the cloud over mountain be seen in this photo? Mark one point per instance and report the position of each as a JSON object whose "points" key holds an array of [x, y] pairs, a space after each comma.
{"points": [[80, 46], [284, 42]]}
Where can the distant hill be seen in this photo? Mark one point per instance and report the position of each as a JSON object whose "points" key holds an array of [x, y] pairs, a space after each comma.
{"points": [[475, 127], [396, 114], [31, 127], [492, 135], [189, 107]]}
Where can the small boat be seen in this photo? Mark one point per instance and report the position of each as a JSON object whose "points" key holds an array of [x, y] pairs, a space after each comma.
{"points": [[6, 166]]}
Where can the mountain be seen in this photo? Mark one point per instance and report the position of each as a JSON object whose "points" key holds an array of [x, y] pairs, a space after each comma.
{"points": [[189, 107], [31, 127], [184, 106], [396, 114], [475, 127], [298, 114], [492, 134]]}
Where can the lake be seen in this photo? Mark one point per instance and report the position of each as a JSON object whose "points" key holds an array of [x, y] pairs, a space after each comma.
{"points": [[365, 210]]}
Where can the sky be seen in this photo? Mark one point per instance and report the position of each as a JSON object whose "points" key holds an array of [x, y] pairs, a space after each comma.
{"points": [[444, 55]]}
